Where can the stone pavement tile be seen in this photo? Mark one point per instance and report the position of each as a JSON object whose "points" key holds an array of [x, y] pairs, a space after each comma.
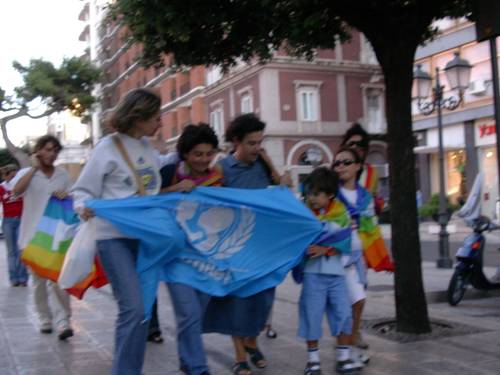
{"points": [[30, 347], [455, 354], [98, 368], [386, 365], [446, 367], [493, 367], [8, 371], [36, 360], [5, 360], [487, 344], [43, 371]]}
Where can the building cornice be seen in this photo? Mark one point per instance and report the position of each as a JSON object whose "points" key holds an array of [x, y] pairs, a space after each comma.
{"points": [[455, 117], [451, 39], [289, 63], [184, 99]]}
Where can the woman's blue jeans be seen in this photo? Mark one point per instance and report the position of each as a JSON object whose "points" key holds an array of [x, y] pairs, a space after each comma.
{"points": [[17, 270], [189, 307], [118, 257]]}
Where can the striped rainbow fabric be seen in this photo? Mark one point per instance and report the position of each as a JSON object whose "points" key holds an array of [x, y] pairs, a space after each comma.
{"points": [[46, 251]]}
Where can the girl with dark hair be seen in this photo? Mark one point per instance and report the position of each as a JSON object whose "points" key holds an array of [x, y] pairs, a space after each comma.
{"points": [[367, 244], [359, 140], [196, 147]]}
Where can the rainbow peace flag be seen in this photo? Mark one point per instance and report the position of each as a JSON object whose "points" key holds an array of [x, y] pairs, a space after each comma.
{"points": [[374, 250], [46, 251]]}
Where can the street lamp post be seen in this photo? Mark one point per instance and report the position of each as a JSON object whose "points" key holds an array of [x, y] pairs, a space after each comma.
{"points": [[458, 76]]}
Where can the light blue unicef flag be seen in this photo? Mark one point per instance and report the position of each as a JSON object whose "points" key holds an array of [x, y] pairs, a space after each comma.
{"points": [[218, 240]]}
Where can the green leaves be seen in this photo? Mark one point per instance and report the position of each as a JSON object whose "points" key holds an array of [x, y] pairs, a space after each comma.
{"points": [[58, 87], [203, 33]]}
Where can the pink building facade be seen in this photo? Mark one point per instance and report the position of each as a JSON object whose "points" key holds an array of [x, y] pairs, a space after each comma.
{"points": [[307, 105]]}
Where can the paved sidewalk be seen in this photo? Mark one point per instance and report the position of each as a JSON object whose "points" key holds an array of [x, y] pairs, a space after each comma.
{"points": [[25, 351]]}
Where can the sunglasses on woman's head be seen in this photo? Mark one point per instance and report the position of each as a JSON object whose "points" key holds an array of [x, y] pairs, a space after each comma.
{"points": [[356, 143], [346, 163]]}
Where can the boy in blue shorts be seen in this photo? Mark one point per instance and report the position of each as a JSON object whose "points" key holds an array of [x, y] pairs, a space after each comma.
{"points": [[324, 288]]}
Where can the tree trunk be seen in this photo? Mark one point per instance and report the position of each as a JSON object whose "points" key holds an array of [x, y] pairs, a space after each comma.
{"points": [[16, 152], [411, 306]]}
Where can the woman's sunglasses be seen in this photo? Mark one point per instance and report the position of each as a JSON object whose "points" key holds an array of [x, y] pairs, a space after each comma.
{"points": [[346, 163]]}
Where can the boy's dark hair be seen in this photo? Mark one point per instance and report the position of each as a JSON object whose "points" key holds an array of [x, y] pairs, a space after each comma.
{"points": [[322, 180], [243, 125], [44, 139], [193, 135], [357, 129]]}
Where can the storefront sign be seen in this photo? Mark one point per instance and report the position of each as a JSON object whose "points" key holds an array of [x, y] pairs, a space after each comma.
{"points": [[485, 132], [486, 129]]}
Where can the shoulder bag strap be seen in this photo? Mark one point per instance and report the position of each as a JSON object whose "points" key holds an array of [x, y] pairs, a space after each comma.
{"points": [[119, 145]]}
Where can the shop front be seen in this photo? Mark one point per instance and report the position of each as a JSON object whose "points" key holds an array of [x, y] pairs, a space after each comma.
{"points": [[455, 159], [485, 139]]}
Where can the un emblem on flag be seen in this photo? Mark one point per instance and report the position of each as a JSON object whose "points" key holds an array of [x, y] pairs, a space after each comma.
{"points": [[215, 231]]}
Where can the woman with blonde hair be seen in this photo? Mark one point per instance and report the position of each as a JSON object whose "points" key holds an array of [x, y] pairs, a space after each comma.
{"points": [[122, 165]]}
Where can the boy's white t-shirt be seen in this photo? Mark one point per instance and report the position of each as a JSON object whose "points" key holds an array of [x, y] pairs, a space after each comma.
{"points": [[35, 199], [107, 176]]}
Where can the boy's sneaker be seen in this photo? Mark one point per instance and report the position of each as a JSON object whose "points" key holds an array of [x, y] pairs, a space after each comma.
{"points": [[312, 368], [348, 366], [360, 356]]}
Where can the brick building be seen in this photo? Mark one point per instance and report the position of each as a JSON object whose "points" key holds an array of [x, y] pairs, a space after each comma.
{"points": [[307, 105]]}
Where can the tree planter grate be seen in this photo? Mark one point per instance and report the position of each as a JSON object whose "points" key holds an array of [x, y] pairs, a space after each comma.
{"points": [[386, 329]]}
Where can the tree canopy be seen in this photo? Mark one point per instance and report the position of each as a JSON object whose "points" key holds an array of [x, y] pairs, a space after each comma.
{"points": [[224, 32], [68, 86]]}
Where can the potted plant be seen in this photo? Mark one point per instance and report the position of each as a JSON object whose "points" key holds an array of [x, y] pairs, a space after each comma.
{"points": [[431, 208]]}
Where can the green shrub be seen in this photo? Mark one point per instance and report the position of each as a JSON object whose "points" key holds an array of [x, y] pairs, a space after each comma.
{"points": [[431, 208]]}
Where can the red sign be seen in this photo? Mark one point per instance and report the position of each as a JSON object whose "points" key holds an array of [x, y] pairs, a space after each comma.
{"points": [[486, 129]]}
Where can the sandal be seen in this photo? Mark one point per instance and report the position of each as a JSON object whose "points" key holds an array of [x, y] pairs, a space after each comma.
{"points": [[241, 368], [256, 357], [271, 333], [155, 338]]}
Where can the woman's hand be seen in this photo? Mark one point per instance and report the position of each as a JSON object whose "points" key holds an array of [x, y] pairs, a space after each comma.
{"points": [[86, 213], [60, 194], [315, 251], [185, 186]]}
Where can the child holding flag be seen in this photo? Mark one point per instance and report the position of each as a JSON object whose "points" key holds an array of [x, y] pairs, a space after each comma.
{"points": [[324, 287]]}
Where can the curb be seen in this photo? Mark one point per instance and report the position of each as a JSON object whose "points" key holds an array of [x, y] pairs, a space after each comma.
{"points": [[470, 294]]}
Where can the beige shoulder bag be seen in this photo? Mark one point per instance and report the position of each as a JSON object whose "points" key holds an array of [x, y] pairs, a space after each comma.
{"points": [[119, 145]]}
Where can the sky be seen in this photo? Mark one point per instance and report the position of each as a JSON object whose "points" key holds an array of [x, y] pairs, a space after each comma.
{"points": [[47, 29]]}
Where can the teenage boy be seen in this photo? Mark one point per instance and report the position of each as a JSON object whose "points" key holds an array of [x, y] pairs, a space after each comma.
{"points": [[37, 184], [248, 167]]}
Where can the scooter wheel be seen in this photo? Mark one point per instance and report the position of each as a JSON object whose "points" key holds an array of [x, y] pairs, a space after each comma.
{"points": [[457, 287]]}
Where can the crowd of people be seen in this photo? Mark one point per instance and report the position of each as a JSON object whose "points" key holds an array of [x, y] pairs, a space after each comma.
{"points": [[124, 164]]}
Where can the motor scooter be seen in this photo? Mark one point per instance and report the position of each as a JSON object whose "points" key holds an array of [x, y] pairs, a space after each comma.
{"points": [[469, 267]]}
